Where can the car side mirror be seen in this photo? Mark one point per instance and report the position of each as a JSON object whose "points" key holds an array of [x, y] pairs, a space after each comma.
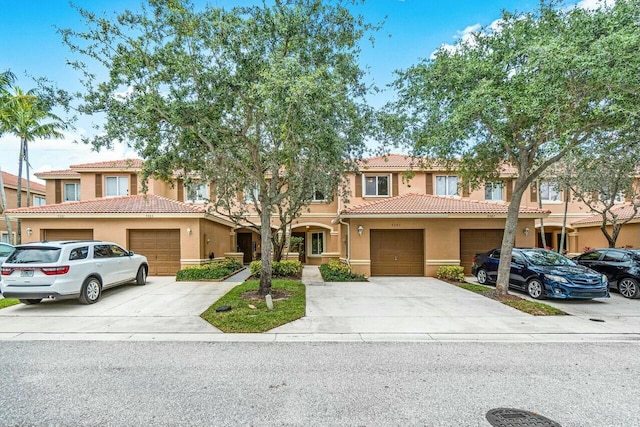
{"points": [[131, 253]]}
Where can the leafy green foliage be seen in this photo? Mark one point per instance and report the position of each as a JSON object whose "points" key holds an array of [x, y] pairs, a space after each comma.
{"points": [[337, 271], [454, 273], [213, 271], [280, 268], [244, 319]]}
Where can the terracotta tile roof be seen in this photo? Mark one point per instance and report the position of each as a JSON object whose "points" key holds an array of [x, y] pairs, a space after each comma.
{"points": [[10, 180], [112, 164], [623, 212], [138, 204], [403, 162], [58, 173], [425, 204]]}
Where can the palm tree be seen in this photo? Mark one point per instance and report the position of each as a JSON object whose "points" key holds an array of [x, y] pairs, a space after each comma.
{"points": [[7, 78], [23, 114]]}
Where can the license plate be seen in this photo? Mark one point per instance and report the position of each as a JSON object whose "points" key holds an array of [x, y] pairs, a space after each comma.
{"points": [[26, 273]]}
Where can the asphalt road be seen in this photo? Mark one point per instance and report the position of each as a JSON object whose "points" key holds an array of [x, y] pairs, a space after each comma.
{"points": [[76, 383]]}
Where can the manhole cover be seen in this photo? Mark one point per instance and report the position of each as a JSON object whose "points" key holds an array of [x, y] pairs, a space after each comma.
{"points": [[505, 417]]}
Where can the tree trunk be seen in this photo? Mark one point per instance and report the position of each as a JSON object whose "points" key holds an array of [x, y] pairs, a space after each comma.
{"points": [[267, 253], [543, 237], [19, 196], [26, 161], [508, 240], [3, 198], [564, 223]]}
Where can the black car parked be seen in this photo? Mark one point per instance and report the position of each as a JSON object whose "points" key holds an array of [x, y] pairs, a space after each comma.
{"points": [[542, 273], [622, 267]]}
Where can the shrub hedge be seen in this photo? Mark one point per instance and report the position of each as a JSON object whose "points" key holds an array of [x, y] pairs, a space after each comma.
{"points": [[337, 271], [213, 271], [280, 268], [454, 273]]}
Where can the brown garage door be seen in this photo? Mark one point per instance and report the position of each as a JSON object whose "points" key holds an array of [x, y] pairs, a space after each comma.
{"points": [[397, 252], [475, 241], [67, 234], [161, 247]]}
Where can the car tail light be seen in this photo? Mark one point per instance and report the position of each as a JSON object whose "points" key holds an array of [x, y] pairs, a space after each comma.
{"points": [[6, 271], [53, 271], [473, 260]]}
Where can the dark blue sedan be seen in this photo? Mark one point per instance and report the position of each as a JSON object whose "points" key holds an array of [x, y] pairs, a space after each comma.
{"points": [[543, 273]]}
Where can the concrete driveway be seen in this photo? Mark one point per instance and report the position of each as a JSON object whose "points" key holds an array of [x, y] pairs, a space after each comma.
{"points": [[161, 306], [422, 305]]}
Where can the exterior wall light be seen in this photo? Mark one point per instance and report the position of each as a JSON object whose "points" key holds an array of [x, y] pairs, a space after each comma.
{"points": [[526, 231], [29, 231], [188, 231], [360, 230]]}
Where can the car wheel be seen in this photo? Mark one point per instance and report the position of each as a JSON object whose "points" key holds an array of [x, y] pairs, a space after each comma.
{"points": [[31, 301], [481, 275], [628, 288], [535, 289], [141, 277], [91, 290]]}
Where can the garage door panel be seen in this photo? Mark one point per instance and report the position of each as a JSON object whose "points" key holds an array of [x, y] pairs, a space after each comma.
{"points": [[161, 247], [476, 241], [68, 234], [397, 252]]}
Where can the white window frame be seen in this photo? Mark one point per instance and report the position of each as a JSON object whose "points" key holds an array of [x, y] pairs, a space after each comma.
{"points": [[250, 194], [4, 237], [76, 192], [313, 251], [39, 200], [389, 185], [495, 191], [448, 191], [198, 190], [316, 199], [120, 188], [548, 188]]}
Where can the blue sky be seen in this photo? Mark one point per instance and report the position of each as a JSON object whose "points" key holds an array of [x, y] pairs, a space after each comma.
{"points": [[29, 44]]}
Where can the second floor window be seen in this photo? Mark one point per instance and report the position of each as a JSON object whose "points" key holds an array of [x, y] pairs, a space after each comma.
{"points": [[197, 192], [71, 192], [550, 192], [446, 185], [116, 186], [251, 195], [39, 201], [318, 196], [376, 185], [493, 191]]}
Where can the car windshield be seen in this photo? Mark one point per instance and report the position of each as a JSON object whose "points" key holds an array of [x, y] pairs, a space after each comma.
{"points": [[537, 257], [28, 255], [635, 253]]}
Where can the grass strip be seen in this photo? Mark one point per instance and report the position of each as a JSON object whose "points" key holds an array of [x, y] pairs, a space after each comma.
{"points": [[244, 319]]}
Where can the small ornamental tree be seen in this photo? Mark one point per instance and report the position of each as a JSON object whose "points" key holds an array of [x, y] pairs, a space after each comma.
{"points": [[264, 102], [524, 93]]}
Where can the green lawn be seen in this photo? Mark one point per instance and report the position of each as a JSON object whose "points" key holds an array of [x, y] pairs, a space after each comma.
{"points": [[243, 319], [8, 302]]}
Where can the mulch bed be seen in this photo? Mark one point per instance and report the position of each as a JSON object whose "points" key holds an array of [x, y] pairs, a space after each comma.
{"points": [[494, 294], [276, 295]]}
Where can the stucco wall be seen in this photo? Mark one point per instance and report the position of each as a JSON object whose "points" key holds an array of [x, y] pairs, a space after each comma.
{"points": [[441, 238], [592, 237]]}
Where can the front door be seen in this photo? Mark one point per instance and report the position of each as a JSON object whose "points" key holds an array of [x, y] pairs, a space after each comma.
{"points": [[244, 246]]}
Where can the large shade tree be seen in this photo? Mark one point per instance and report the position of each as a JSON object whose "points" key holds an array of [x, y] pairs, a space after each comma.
{"points": [[524, 92], [265, 102]]}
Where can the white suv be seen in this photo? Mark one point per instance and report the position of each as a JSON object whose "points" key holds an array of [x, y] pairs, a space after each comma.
{"points": [[69, 269]]}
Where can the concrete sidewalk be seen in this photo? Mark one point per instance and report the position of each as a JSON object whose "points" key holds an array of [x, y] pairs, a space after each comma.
{"points": [[383, 309]]}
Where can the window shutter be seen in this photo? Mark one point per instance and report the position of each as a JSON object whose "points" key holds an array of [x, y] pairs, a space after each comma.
{"points": [[429, 183], [58, 191], [98, 185], [180, 185], [534, 191], [509, 186], [394, 184], [358, 185], [133, 182]]}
